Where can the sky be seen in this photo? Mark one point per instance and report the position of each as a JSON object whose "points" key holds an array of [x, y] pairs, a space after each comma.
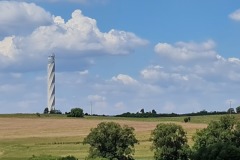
{"points": [[120, 56]]}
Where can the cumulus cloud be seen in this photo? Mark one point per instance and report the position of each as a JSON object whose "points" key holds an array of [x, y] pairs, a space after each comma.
{"points": [[183, 51], [21, 17], [235, 15], [96, 98], [85, 72], [205, 68], [76, 38], [153, 73], [69, 1], [157, 73], [124, 79]]}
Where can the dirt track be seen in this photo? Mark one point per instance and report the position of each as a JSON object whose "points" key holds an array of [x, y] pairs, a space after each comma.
{"points": [[34, 127]]}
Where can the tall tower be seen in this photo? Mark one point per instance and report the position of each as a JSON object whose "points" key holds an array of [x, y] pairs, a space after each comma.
{"points": [[51, 83]]}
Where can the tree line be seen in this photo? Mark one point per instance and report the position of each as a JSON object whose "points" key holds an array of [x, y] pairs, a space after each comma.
{"points": [[153, 113]]}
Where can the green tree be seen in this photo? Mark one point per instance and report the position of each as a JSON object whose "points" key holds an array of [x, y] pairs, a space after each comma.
{"points": [[110, 140], [221, 135], [218, 151], [238, 109], [170, 142], [231, 110], [154, 112], [76, 112], [45, 110]]}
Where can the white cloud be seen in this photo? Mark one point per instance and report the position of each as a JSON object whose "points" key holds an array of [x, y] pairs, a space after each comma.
{"points": [[120, 106], [182, 51], [7, 47], [69, 1], [78, 37], [96, 98], [235, 15], [125, 79], [157, 73], [85, 72], [21, 17], [154, 73]]}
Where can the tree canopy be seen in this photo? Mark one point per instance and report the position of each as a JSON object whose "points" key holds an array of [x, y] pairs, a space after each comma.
{"points": [[169, 142], [110, 140], [218, 140], [238, 109], [76, 112]]}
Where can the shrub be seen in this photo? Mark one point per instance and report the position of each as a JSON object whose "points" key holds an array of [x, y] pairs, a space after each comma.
{"points": [[45, 110], [43, 157], [68, 158], [218, 151], [49, 157], [187, 119], [219, 137], [76, 112]]}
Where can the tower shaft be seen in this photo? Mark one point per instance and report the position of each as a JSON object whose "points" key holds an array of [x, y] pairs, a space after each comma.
{"points": [[51, 83]]}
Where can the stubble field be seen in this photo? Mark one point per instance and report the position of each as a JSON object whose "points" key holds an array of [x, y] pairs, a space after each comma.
{"points": [[21, 137]]}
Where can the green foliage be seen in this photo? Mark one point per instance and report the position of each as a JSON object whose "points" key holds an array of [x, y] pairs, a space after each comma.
{"points": [[230, 110], [43, 157], [55, 112], [169, 142], [154, 112], [49, 157], [218, 151], [68, 158], [110, 140], [142, 111], [187, 119], [45, 110], [238, 109], [76, 112], [217, 131], [219, 138]]}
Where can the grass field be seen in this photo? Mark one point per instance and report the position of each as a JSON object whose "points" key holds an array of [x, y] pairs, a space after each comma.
{"points": [[23, 135]]}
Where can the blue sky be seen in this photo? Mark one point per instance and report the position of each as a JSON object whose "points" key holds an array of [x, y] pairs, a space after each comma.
{"points": [[120, 55]]}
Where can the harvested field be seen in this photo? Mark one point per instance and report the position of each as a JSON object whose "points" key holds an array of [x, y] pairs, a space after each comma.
{"points": [[24, 127], [23, 137]]}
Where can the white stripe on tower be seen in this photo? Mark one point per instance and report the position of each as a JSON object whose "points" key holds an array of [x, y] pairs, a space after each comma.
{"points": [[51, 83]]}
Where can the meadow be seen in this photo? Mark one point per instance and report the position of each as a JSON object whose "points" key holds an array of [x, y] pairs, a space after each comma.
{"points": [[25, 135]]}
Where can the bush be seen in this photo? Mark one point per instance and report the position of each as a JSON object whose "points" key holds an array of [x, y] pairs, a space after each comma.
{"points": [[45, 110], [231, 110], [110, 140], [43, 157], [55, 112], [38, 115], [169, 142], [68, 158], [238, 109], [219, 137], [49, 157], [187, 119], [218, 151], [76, 112]]}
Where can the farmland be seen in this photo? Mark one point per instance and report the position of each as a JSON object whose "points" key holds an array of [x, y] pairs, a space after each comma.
{"points": [[22, 136]]}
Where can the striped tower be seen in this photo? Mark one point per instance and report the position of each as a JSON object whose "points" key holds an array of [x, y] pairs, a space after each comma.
{"points": [[51, 83]]}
